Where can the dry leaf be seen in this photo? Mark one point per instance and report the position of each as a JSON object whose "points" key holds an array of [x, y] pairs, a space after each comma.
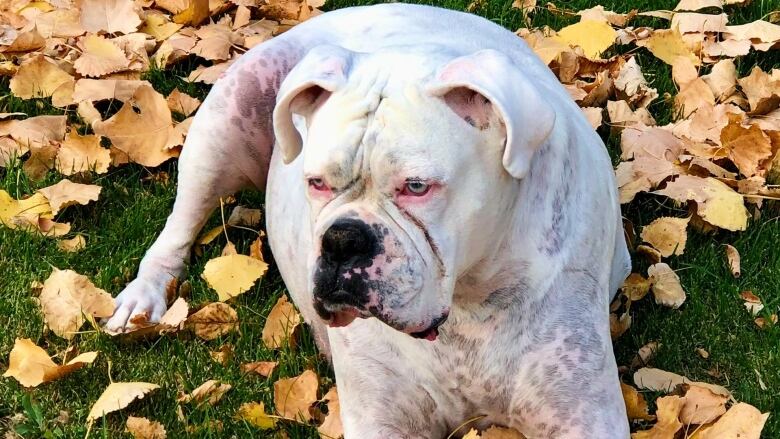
{"points": [[594, 37], [67, 297], [279, 329], [636, 406], [701, 405], [82, 154], [213, 321], [668, 423], [232, 275], [73, 245], [38, 78], [619, 325], [695, 5], [331, 427], [142, 428], [494, 432], [645, 354], [666, 285], [210, 392], [262, 368], [118, 396], [667, 45], [762, 91], [158, 25], [36, 205], [747, 147], [182, 103], [703, 353], [658, 380], [66, 193], [293, 396], [100, 57], [635, 287], [109, 16], [194, 14], [224, 355], [741, 421], [667, 235], [717, 203], [32, 366], [141, 128], [254, 414], [732, 256], [242, 216]]}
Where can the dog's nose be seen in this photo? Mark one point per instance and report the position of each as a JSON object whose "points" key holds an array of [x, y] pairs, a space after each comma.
{"points": [[348, 239]]}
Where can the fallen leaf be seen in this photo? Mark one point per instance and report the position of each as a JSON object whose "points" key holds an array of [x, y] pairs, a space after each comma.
{"points": [[636, 406], [762, 91], [36, 205], [741, 421], [194, 14], [280, 325], [695, 5], [242, 216], [73, 245], [667, 45], [31, 365], [67, 297], [110, 16], [331, 427], [233, 275], [658, 380], [665, 285], [182, 103], [667, 235], [645, 355], [213, 321], [703, 353], [732, 256], [254, 414], [118, 396], [100, 57], [37, 78], [701, 405], [293, 396], [66, 193], [494, 432], [594, 37], [717, 203], [82, 154], [262, 368], [635, 287], [223, 355], [209, 392], [142, 428], [619, 325], [158, 25], [141, 128], [691, 22], [668, 423], [747, 147]]}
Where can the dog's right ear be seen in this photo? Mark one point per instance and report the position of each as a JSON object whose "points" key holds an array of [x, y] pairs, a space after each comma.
{"points": [[321, 72]]}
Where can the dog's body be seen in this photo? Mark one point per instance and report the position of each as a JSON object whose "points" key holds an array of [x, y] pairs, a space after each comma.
{"points": [[518, 246]]}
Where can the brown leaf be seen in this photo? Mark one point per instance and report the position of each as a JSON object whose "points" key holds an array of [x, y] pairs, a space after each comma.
{"points": [[38, 78], [209, 392], [67, 297], [748, 147], [701, 405], [118, 396], [662, 381], [636, 406], [32, 366], [82, 154], [717, 203], [213, 321], [667, 235], [109, 16], [142, 428], [619, 325], [281, 324], [668, 423], [635, 287], [182, 103], [762, 91], [242, 216], [73, 245], [331, 427], [666, 285], [293, 396], [66, 193], [732, 256], [262, 368], [224, 355], [741, 421]]}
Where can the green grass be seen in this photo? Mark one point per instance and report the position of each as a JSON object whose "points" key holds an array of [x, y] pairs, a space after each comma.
{"points": [[132, 209]]}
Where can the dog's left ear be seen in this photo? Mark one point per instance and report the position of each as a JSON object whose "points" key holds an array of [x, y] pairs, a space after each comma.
{"points": [[528, 118]]}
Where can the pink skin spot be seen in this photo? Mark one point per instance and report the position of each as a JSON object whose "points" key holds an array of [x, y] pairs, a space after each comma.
{"points": [[416, 192], [319, 189]]}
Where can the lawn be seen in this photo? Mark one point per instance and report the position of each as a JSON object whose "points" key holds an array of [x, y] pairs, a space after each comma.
{"points": [[136, 200]]}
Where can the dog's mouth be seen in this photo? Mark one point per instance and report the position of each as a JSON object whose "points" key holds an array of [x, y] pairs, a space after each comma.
{"points": [[432, 332]]}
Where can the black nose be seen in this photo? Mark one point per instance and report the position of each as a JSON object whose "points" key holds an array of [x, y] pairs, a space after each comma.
{"points": [[348, 240]]}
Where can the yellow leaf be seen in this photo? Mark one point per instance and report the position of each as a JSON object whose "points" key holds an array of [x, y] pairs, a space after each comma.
{"points": [[142, 428], [158, 26], [210, 392], [668, 419], [748, 147], [100, 57], [741, 421], [66, 193], [262, 368], [279, 329], [36, 205], [331, 427], [182, 103], [232, 275], [38, 78], [702, 405], [594, 37], [667, 45], [118, 396], [636, 406], [196, 12], [635, 287], [717, 203], [32, 366], [73, 245], [294, 396], [110, 16], [254, 413]]}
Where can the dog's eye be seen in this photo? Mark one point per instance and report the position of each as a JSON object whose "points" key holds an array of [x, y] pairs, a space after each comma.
{"points": [[415, 188], [318, 184]]}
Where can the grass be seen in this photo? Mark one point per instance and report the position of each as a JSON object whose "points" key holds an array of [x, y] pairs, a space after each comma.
{"points": [[133, 207]]}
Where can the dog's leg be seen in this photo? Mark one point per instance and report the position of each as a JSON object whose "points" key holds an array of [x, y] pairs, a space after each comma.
{"points": [[228, 148]]}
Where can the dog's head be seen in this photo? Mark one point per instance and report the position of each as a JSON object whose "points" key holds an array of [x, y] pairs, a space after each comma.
{"points": [[411, 172]]}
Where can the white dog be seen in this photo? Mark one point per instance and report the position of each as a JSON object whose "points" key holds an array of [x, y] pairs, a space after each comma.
{"points": [[441, 212]]}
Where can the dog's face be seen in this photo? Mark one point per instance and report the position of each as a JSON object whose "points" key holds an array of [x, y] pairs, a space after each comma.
{"points": [[403, 201]]}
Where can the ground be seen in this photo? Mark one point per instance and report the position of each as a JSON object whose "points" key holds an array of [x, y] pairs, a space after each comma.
{"points": [[133, 207]]}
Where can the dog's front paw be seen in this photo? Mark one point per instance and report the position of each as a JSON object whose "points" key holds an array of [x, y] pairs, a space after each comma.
{"points": [[141, 302]]}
